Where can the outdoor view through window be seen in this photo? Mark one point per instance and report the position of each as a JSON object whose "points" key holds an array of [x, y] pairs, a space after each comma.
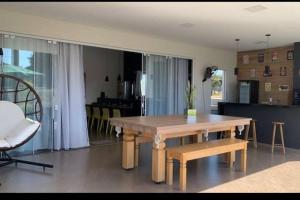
{"points": [[217, 93]]}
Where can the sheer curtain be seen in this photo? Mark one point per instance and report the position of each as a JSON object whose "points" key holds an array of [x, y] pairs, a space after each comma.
{"points": [[70, 115], [166, 80]]}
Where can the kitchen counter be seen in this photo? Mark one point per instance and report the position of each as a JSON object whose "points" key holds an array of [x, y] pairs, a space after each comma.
{"points": [[266, 114]]}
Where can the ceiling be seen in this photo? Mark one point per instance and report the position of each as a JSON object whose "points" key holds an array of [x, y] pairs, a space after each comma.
{"points": [[212, 24]]}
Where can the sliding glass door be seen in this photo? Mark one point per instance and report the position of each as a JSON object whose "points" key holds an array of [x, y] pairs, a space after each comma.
{"points": [[33, 61], [165, 81]]}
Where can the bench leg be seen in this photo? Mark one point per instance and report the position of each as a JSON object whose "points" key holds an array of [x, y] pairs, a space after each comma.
{"points": [[244, 160], [182, 176], [136, 155], [182, 141], [170, 171]]}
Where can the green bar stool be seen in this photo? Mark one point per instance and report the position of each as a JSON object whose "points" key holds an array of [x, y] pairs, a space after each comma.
{"points": [[105, 117], [96, 116], [116, 113]]}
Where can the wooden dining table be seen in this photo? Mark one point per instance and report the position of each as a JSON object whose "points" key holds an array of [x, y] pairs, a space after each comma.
{"points": [[160, 128]]}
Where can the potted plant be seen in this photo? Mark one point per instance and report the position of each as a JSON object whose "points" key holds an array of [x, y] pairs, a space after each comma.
{"points": [[191, 111]]}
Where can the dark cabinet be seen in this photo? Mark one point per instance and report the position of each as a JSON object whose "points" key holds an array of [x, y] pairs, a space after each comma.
{"points": [[132, 63]]}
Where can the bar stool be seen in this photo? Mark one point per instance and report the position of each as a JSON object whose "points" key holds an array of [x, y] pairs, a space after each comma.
{"points": [[105, 117], [254, 139], [280, 124], [116, 113]]}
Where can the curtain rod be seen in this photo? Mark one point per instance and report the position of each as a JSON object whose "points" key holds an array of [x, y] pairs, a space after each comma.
{"points": [[91, 44]]}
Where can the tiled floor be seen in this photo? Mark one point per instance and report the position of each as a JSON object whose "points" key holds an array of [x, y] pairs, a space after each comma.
{"points": [[98, 169]]}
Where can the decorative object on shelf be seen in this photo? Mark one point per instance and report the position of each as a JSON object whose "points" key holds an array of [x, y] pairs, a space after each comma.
{"points": [[252, 73], [290, 55], [268, 87], [245, 59], [283, 71], [261, 57], [267, 71], [190, 104], [274, 56], [283, 88]]}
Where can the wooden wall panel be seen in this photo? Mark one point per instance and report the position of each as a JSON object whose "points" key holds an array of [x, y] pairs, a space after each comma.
{"points": [[278, 97]]}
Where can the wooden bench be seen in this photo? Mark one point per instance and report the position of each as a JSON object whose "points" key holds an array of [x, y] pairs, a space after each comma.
{"points": [[141, 140], [199, 150]]}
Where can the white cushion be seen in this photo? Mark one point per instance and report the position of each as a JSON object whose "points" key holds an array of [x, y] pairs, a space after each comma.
{"points": [[10, 115], [22, 131], [14, 127], [4, 144]]}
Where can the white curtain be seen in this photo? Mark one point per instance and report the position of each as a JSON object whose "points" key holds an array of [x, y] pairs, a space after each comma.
{"points": [[166, 81], [70, 115]]}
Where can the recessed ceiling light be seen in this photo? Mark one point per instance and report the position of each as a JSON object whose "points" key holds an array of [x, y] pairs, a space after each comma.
{"points": [[256, 8], [187, 25]]}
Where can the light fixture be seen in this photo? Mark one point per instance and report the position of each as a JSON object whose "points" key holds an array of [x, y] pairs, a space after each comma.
{"points": [[255, 8], [267, 71], [237, 40]]}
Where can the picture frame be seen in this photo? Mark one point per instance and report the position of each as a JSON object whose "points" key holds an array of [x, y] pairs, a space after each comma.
{"points": [[252, 73], [283, 71], [268, 87], [274, 56], [245, 59], [290, 55], [260, 57], [267, 71], [283, 88]]}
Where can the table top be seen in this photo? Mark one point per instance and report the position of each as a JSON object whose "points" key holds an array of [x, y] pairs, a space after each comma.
{"points": [[177, 123]]}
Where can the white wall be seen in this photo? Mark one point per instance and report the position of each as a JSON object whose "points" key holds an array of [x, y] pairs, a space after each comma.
{"points": [[202, 56], [99, 63]]}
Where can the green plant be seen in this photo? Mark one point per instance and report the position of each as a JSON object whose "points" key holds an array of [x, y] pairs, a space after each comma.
{"points": [[190, 96]]}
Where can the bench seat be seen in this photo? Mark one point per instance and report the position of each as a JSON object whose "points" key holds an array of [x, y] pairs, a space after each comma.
{"points": [[200, 150]]}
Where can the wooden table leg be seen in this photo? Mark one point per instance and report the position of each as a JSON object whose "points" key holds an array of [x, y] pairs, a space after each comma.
{"points": [[128, 149], [158, 161]]}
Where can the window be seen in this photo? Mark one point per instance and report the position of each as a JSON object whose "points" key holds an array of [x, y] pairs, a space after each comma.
{"points": [[217, 88]]}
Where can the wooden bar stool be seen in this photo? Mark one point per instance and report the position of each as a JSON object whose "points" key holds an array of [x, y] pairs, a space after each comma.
{"points": [[254, 139], [280, 124]]}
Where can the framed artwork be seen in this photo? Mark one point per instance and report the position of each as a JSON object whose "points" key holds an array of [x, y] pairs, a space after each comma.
{"points": [[245, 59], [268, 87], [236, 71], [283, 71], [283, 88], [267, 71], [290, 55], [261, 57], [252, 73], [274, 56]]}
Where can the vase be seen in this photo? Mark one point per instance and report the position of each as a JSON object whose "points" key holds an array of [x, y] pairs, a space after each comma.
{"points": [[191, 115]]}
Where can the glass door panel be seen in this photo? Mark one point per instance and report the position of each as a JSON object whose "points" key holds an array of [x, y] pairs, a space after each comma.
{"points": [[31, 60]]}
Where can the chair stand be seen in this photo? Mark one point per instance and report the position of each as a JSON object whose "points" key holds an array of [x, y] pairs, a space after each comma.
{"points": [[6, 160]]}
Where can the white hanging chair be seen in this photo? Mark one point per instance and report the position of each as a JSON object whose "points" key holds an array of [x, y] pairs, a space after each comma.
{"points": [[16, 128]]}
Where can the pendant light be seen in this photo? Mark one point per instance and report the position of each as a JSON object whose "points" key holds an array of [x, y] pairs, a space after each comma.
{"points": [[267, 71], [237, 40]]}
